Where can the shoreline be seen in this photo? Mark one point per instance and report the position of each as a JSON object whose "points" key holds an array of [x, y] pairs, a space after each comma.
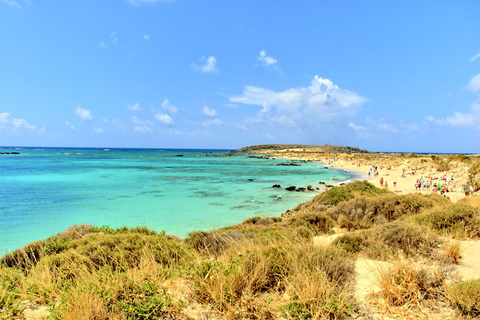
{"points": [[391, 168]]}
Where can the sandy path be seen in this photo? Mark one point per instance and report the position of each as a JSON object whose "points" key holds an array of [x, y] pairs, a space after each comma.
{"points": [[469, 264]]}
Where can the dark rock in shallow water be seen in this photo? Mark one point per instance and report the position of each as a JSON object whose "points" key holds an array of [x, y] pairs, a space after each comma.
{"points": [[291, 188], [310, 188], [288, 164], [276, 186], [300, 189], [179, 155], [321, 182]]}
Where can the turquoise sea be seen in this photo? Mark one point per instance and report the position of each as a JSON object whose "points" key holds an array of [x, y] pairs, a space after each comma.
{"points": [[45, 190]]}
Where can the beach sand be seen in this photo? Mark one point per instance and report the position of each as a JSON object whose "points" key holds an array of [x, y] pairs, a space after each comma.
{"points": [[391, 168]]}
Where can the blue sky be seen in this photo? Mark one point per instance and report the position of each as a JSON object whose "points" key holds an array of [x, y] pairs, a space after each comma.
{"points": [[379, 75]]}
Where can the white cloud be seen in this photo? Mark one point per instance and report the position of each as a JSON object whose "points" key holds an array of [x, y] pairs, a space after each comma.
{"points": [[146, 37], [208, 66], [113, 37], [83, 114], [268, 62], [214, 122], [165, 119], [4, 117], [15, 124], [209, 112], [102, 44], [474, 84], [10, 3], [321, 102], [475, 57], [135, 108], [142, 129], [105, 120], [231, 105], [170, 108], [98, 130], [69, 125], [470, 119], [139, 122], [355, 127]]}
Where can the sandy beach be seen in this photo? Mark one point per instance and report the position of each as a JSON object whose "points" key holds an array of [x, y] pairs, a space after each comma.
{"points": [[396, 172]]}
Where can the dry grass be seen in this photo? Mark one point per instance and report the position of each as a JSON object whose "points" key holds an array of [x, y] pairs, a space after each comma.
{"points": [[315, 279], [451, 252], [405, 287]]}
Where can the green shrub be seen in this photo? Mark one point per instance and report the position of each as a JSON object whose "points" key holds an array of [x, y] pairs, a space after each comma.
{"points": [[465, 295], [385, 241], [460, 157], [457, 220], [349, 191], [319, 223], [363, 212]]}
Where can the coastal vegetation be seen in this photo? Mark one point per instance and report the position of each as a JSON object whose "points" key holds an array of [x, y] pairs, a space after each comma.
{"points": [[262, 268]]}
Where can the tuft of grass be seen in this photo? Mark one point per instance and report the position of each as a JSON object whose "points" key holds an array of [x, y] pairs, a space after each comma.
{"points": [[465, 296], [451, 252]]}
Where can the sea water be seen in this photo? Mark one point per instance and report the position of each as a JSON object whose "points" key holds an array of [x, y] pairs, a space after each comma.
{"points": [[45, 190]]}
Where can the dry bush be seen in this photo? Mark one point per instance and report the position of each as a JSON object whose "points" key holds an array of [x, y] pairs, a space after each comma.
{"points": [[363, 212], [213, 242], [390, 240], [250, 270], [451, 252], [406, 285]]}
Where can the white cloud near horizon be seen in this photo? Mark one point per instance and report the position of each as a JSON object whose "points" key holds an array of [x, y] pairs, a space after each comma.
{"points": [[165, 119], [321, 102], [209, 65], [98, 130], [460, 119], [83, 114], [146, 37], [16, 124], [212, 113], [135, 108]]}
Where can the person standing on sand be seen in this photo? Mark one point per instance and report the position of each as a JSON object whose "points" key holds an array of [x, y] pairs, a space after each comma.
{"points": [[381, 182]]}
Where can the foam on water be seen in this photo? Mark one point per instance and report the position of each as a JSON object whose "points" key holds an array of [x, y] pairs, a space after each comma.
{"points": [[43, 191]]}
